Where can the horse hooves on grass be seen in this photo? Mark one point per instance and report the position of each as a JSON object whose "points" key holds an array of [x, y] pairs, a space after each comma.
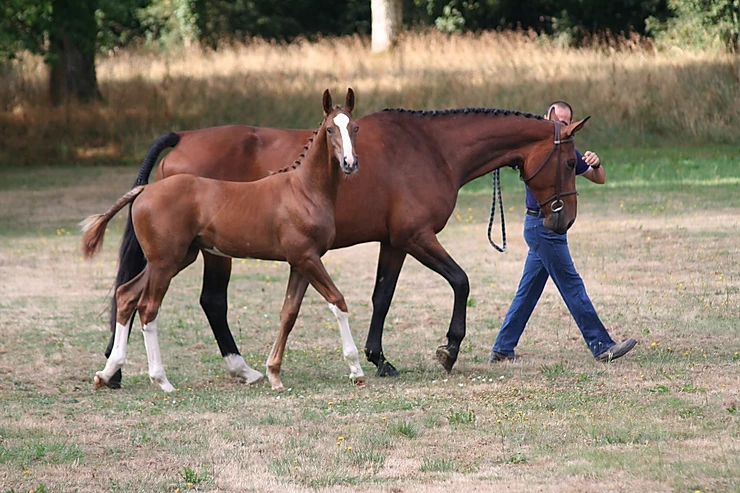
{"points": [[445, 358], [385, 369], [115, 380], [359, 381], [98, 382]]}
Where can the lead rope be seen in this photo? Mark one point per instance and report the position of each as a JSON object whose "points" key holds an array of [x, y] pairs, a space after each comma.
{"points": [[497, 189]]}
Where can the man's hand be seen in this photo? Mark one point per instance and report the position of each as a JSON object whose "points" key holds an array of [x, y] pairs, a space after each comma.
{"points": [[591, 159]]}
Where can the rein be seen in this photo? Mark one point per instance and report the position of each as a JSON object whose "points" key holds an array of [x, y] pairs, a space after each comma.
{"points": [[556, 203], [497, 190]]}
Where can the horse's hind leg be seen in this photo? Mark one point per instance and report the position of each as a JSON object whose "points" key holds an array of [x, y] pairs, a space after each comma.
{"points": [[312, 268], [297, 285], [427, 250], [127, 296], [216, 272], [159, 277]]}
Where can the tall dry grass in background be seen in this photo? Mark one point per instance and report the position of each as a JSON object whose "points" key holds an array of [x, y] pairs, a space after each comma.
{"points": [[636, 95]]}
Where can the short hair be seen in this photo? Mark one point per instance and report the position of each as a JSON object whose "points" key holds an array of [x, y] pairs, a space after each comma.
{"points": [[561, 105]]}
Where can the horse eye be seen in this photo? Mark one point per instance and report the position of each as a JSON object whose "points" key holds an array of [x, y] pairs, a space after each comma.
{"points": [[357, 128], [329, 130], [571, 163]]}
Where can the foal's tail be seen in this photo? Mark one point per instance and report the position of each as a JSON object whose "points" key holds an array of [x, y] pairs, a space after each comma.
{"points": [[93, 228]]}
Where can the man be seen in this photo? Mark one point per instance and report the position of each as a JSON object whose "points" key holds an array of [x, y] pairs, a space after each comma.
{"points": [[549, 256]]}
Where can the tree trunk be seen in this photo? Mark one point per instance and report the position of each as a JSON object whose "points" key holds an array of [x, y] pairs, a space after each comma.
{"points": [[386, 23], [72, 52]]}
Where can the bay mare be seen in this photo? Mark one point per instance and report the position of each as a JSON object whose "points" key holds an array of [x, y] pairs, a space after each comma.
{"points": [[288, 216], [414, 163]]}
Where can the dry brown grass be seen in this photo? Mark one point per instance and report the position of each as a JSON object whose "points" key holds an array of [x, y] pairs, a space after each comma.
{"points": [[665, 418], [636, 93]]}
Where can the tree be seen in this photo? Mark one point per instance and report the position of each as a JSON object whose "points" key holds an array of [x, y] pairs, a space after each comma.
{"points": [[68, 33], [387, 21]]}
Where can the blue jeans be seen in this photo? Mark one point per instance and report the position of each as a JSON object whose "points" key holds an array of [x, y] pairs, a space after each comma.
{"points": [[549, 257]]}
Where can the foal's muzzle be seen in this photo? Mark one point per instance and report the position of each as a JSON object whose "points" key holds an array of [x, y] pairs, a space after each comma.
{"points": [[350, 168]]}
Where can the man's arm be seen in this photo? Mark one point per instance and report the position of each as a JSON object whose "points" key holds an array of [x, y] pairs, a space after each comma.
{"points": [[596, 171]]}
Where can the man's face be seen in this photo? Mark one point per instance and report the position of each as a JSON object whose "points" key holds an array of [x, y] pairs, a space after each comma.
{"points": [[561, 114]]}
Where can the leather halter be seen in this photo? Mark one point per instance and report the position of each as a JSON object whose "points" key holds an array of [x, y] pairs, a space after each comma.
{"points": [[556, 200]]}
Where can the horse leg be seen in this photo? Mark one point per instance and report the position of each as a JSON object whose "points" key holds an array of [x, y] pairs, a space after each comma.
{"points": [[297, 285], [427, 250], [158, 281], [216, 273], [313, 269], [390, 261], [127, 296]]}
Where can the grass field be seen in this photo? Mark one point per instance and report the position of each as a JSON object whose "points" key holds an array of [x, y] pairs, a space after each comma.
{"points": [[658, 250]]}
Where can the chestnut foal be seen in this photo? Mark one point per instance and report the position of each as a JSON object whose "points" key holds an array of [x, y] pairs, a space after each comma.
{"points": [[286, 216]]}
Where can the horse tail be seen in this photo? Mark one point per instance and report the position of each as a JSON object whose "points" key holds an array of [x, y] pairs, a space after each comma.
{"points": [[131, 259], [93, 228]]}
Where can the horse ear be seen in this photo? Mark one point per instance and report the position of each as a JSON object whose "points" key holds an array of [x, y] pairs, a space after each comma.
{"points": [[570, 130], [349, 103], [327, 103]]}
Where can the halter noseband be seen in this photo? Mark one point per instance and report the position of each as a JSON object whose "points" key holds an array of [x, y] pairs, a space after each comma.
{"points": [[556, 202]]}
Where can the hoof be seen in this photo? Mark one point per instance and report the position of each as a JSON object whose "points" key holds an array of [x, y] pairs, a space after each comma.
{"points": [[98, 382], [385, 369], [115, 380], [358, 382], [278, 387], [253, 378], [446, 358]]}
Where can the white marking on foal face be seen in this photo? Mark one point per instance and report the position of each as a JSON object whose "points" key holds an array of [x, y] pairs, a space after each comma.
{"points": [[341, 121]]}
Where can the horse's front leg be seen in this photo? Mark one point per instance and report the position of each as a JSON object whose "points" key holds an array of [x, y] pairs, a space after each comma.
{"points": [[390, 261], [216, 273], [297, 285], [314, 270]]}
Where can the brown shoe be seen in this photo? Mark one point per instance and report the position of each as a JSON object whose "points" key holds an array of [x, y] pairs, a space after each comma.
{"points": [[617, 351], [496, 356]]}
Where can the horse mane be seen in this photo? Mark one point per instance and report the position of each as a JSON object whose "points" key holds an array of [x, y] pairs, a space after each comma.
{"points": [[466, 111], [298, 161]]}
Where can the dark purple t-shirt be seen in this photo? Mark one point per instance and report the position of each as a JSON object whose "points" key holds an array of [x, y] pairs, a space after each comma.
{"points": [[581, 167]]}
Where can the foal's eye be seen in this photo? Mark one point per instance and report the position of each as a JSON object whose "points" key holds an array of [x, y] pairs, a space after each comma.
{"points": [[571, 163], [329, 130]]}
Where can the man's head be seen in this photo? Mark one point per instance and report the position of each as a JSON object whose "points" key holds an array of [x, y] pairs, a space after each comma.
{"points": [[560, 111]]}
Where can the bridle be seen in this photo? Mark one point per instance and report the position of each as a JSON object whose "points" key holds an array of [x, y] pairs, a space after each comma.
{"points": [[556, 201]]}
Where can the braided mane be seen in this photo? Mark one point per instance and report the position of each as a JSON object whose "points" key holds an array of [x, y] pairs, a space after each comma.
{"points": [[298, 161], [466, 111]]}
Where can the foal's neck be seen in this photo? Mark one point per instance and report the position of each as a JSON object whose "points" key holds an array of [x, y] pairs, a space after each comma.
{"points": [[318, 169]]}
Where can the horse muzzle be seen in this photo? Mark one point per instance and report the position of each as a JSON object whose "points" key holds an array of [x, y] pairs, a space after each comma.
{"points": [[558, 222], [350, 168]]}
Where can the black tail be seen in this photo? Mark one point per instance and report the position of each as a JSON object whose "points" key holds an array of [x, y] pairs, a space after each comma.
{"points": [[131, 259]]}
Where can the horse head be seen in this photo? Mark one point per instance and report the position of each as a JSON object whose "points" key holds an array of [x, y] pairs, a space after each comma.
{"points": [[553, 184], [341, 131]]}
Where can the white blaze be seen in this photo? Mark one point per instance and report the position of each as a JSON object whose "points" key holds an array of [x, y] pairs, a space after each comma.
{"points": [[341, 121]]}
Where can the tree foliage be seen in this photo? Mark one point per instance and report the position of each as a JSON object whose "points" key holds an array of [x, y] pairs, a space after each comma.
{"points": [[700, 23]]}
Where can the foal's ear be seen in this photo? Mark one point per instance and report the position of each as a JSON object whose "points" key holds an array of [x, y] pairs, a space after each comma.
{"points": [[570, 130], [349, 103], [327, 103]]}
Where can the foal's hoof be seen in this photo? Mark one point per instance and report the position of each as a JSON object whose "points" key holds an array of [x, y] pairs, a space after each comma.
{"points": [[446, 357], [98, 382], [386, 369]]}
